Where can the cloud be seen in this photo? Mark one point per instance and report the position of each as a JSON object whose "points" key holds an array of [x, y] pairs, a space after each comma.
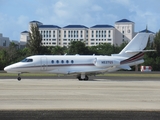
{"points": [[60, 9], [85, 12], [140, 14], [12, 26], [64, 12], [122, 2], [96, 8], [22, 19]]}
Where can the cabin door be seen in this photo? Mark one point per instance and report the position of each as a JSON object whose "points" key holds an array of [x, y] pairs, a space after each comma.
{"points": [[44, 63]]}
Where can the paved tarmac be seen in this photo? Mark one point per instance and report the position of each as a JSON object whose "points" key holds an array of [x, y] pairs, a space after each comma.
{"points": [[99, 98]]}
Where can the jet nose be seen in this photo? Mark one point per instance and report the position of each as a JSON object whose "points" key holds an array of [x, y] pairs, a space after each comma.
{"points": [[9, 69], [6, 69]]}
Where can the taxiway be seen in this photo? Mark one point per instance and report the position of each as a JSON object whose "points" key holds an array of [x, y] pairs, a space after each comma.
{"points": [[70, 94]]}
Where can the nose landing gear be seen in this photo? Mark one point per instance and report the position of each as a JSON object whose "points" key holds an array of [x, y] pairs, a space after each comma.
{"points": [[19, 77]]}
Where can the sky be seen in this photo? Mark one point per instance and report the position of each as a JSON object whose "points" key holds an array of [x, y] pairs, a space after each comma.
{"points": [[15, 15]]}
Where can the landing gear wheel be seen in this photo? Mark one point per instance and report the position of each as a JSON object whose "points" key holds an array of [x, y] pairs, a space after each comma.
{"points": [[19, 78], [86, 78], [80, 79]]}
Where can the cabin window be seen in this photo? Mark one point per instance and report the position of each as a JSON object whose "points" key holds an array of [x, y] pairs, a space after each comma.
{"points": [[67, 61], [62, 61], [72, 61], [57, 61], [24, 60], [27, 60], [52, 61], [30, 60]]}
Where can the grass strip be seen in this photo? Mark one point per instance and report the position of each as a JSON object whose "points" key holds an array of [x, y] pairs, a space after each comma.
{"points": [[115, 74]]}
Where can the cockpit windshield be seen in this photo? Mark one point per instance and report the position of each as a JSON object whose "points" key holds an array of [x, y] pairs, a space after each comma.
{"points": [[27, 60]]}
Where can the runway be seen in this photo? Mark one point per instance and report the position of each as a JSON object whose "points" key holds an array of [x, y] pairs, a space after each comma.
{"points": [[99, 97]]}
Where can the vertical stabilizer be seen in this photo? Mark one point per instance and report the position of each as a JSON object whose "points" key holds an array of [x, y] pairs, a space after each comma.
{"points": [[136, 45]]}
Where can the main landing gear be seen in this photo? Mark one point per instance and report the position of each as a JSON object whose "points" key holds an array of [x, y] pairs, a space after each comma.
{"points": [[83, 77], [19, 77]]}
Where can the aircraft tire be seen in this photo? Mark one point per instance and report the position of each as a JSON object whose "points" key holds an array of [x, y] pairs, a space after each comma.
{"points": [[86, 78], [19, 78], [79, 78]]}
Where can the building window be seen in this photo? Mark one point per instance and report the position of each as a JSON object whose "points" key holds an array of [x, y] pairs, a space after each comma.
{"points": [[92, 33], [64, 33]]}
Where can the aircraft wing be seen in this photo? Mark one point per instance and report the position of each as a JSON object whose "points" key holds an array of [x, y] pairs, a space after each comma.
{"points": [[114, 68], [85, 71]]}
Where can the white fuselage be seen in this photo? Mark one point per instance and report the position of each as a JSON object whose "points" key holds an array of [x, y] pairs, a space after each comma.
{"points": [[67, 64]]}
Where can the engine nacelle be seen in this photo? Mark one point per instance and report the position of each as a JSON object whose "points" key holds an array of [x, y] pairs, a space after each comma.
{"points": [[101, 62]]}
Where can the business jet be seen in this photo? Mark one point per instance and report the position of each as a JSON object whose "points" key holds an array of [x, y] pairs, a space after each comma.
{"points": [[84, 65]]}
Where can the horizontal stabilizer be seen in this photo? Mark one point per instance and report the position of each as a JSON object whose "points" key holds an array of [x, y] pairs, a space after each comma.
{"points": [[125, 67], [137, 51]]}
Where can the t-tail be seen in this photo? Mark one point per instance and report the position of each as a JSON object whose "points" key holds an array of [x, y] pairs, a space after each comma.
{"points": [[136, 45], [134, 51]]}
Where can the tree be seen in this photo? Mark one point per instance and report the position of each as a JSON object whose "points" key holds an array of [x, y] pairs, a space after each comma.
{"points": [[157, 43], [77, 47], [35, 41], [57, 50], [12, 52], [153, 58], [8, 55], [3, 58]]}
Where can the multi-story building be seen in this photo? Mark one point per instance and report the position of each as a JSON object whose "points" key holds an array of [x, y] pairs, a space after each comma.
{"points": [[53, 35], [124, 31], [4, 41], [50, 34], [100, 34], [73, 33]]}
